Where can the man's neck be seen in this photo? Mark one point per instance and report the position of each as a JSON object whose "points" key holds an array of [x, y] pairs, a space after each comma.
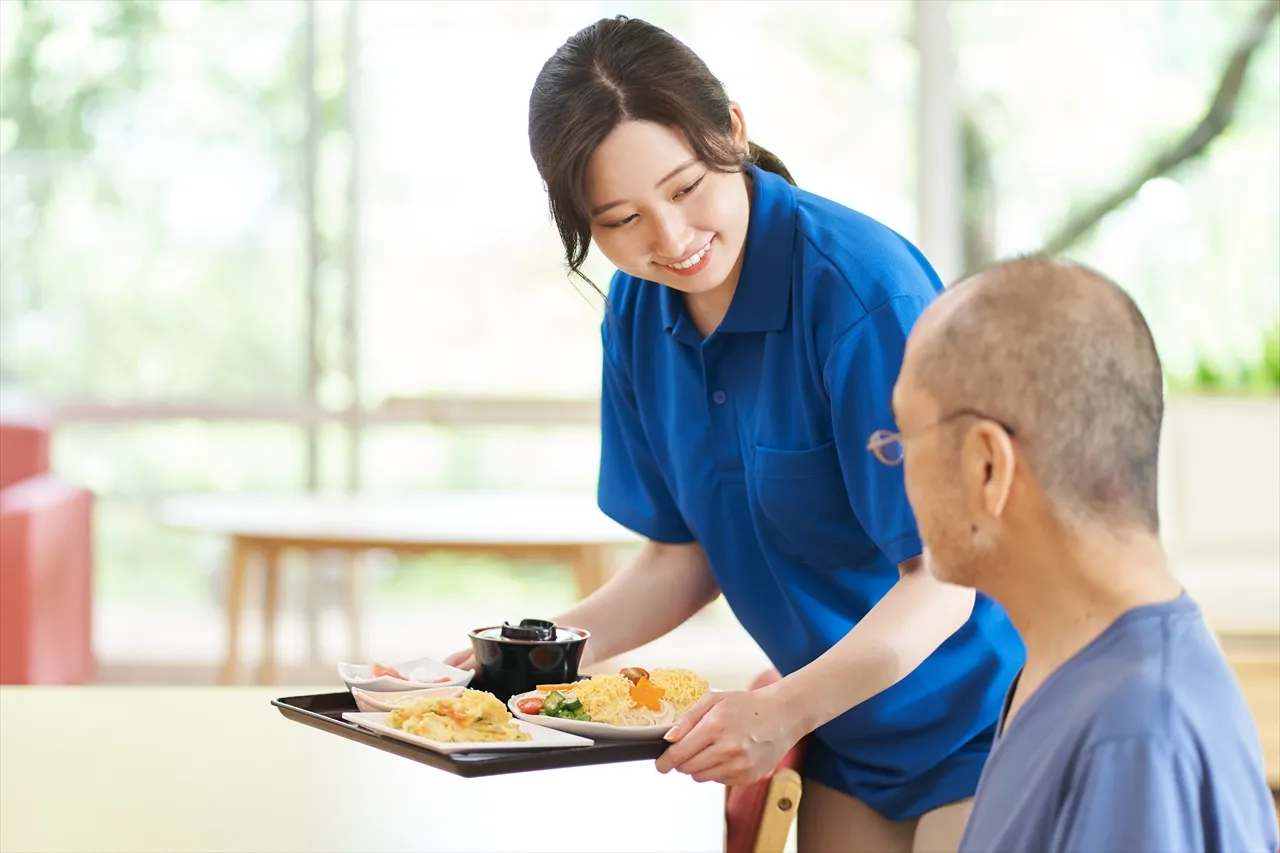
{"points": [[1071, 590]]}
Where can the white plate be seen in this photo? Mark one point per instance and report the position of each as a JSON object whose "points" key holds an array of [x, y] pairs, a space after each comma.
{"points": [[599, 731], [540, 737], [418, 672], [390, 701]]}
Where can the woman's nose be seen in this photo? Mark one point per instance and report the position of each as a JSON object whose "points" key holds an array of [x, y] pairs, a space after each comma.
{"points": [[672, 238]]}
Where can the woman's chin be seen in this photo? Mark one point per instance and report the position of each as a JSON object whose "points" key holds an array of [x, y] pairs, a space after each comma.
{"points": [[704, 282]]}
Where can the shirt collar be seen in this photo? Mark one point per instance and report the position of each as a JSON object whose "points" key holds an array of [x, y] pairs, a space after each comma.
{"points": [[763, 295]]}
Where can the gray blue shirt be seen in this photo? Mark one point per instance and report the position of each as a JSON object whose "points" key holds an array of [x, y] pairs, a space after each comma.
{"points": [[1141, 742]]}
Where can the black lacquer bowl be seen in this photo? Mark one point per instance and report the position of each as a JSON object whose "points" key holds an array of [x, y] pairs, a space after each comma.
{"points": [[517, 658]]}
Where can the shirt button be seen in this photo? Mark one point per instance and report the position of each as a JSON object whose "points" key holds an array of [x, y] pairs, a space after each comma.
{"points": [[719, 397]]}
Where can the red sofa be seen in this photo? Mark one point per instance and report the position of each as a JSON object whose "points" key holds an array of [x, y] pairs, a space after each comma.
{"points": [[46, 564]]}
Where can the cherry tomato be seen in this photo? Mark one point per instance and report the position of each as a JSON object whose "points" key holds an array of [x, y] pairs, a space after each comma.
{"points": [[531, 705]]}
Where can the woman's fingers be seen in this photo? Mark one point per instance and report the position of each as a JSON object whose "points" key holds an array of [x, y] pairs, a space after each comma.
{"points": [[464, 659]]}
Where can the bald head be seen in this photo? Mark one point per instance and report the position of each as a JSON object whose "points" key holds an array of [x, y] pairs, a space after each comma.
{"points": [[1065, 357]]}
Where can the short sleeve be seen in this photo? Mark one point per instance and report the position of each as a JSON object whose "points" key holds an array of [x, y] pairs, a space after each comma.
{"points": [[859, 374], [1133, 795], [632, 490]]}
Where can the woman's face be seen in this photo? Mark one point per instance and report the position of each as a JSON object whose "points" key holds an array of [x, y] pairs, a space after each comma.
{"points": [[659, 214]]}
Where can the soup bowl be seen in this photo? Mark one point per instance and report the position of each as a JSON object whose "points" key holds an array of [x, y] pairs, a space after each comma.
{"points": [[516, 658]]}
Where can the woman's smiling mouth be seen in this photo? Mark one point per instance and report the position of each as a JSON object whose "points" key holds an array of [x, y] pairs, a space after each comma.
{"points": [[695, 263]]}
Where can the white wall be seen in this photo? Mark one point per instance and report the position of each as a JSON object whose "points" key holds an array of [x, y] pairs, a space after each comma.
{"points": [[1220, 507]]}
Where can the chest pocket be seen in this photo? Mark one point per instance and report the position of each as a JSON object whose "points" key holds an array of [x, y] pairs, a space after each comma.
{"points": [[803, 509]]}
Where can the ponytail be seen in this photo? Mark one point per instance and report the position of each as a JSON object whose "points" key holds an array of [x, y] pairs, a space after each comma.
{"points": [[767, 160]]}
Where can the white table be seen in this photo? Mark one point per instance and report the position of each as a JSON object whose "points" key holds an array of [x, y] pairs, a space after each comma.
{"points": [[177, 770], [559, 526]]}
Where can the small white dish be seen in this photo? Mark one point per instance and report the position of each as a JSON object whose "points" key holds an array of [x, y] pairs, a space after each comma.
{"points": [[419, 674], [370, 702], [597, 731], [539, 737]]}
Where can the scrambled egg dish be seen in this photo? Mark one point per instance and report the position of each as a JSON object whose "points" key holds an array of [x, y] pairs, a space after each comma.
{"points": [[473, 717]]}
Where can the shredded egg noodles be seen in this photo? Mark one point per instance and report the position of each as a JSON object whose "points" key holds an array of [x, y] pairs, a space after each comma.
{"points": [[607, 699], [654, 699], [473, 717], [681, 687]]}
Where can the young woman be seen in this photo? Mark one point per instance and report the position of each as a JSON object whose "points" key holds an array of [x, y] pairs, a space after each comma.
{"points": [[752, 338]]}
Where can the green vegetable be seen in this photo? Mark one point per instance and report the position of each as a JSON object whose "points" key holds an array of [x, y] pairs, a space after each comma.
{"points": [[557, 705]]}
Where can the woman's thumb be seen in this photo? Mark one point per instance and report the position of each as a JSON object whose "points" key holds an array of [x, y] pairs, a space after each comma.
{"points": [[690, 718]]}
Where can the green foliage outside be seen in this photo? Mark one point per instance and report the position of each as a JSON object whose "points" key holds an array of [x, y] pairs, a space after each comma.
{"points": [[1256, 378]]}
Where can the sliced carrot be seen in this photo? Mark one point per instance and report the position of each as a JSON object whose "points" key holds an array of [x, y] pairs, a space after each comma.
{"points": [[645, 695], [547, 688]]}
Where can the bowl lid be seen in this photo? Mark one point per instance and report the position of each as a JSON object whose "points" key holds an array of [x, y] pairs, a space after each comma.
{"points": [[519, 634]]}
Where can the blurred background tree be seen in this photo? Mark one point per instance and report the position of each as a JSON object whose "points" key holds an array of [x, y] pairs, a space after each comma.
{"points": [[1165, 163]]}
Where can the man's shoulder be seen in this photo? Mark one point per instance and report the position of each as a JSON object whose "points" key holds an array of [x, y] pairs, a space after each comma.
{"points": [[1162, 680], [1144, 725]]}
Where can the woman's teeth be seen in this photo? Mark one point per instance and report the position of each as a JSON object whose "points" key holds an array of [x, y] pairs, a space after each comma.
{"points": [[684, 265]]}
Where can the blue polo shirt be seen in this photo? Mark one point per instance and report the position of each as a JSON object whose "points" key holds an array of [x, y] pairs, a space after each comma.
{"points": [[752, 442]]}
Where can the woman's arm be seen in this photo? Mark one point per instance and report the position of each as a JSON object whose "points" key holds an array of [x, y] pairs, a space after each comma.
{"points": [[735, 738], [919, 612], [659, 590], [908, 624]]}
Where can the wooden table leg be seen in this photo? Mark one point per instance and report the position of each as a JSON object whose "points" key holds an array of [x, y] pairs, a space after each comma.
{"points": [[591, 568], [270, 605], [314, 565], [355, 576], [237, 570]]}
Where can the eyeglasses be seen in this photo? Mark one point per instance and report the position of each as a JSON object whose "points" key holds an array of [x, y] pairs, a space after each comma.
{"points": [[887, 445]]}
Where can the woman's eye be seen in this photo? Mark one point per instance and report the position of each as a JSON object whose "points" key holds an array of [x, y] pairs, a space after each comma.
{"points": [[621, 222], [693, 186]]}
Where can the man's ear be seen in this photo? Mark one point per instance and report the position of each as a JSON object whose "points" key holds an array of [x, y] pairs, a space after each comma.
{"points": [[988, 465]]}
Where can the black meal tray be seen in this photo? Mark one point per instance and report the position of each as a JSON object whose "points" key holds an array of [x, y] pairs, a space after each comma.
{"points": [[324, 711]]}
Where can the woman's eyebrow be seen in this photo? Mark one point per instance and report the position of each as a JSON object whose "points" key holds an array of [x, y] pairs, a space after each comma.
{"points": [[596, 211]]}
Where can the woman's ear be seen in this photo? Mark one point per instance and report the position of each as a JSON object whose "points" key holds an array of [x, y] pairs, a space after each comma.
{"points": [[988, 465], [739, 129]]}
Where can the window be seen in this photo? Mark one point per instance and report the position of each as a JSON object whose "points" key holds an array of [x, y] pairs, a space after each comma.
{"points": [[179, 183], [1073, 99]]}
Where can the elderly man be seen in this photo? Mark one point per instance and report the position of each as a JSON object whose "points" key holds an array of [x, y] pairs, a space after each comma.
{"points": [[1030, 404]]}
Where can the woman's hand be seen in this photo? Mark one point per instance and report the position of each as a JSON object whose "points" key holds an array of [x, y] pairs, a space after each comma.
{"points": [[734, 738], [464, 659]]}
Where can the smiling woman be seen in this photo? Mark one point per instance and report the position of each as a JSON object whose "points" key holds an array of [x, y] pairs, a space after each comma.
{"points": [[686, 231], [599, 152], [753, 336], [126, 282]]}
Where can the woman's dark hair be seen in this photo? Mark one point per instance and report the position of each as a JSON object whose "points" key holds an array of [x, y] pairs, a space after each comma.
{"points": [[612, 71]]}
